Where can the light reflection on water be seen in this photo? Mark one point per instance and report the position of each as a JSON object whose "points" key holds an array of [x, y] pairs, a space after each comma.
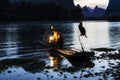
{"points": [[100, 34], [12, 46], [22, 41], [97, 32]]}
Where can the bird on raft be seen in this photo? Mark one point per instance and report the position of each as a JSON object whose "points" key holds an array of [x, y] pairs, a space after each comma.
{"points": [[82, 30]]}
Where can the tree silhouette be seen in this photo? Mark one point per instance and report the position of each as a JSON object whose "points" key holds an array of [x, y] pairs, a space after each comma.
{"points": [[29, 11]]}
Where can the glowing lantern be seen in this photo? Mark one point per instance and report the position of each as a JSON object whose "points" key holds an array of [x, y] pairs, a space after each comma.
{"points": [[51, 39]]}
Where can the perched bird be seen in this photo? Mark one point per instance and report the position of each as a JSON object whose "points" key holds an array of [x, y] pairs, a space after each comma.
{"points": [[82, 30]]}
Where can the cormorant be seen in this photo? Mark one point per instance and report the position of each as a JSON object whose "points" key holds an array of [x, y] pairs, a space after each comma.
{"points": [[82, 30]]}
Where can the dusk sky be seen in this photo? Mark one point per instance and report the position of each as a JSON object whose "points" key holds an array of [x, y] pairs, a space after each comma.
{"points": [[92, 3]]}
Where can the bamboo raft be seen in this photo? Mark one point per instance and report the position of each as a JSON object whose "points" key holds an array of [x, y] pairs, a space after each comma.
{"points": [[68, 52], [77, 58]]}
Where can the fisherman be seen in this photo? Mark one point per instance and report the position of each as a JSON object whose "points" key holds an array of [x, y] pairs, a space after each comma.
{"points": [[55, 39], [82, 30]]}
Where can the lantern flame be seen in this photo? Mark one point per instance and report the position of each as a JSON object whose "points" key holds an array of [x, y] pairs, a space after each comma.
{"points": [[51, 39]]}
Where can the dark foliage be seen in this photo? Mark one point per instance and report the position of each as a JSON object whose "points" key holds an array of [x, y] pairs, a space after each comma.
{"points": [[113, 18], [28, 11]]}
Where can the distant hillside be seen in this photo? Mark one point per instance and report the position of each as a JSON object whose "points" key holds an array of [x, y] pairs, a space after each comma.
{"points": [[67, 4], [25, 10], [113, 10], [98, 12], [93, 13], [113, 7]]}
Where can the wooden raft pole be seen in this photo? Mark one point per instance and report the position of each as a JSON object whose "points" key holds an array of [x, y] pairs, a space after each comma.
{"points": [[67, 52]]}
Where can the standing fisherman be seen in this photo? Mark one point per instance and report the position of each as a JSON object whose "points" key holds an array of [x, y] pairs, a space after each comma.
{"points": [[55, 39]]}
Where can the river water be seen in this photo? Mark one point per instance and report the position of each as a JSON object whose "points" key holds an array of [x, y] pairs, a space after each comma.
{"points": [[22, 40]]}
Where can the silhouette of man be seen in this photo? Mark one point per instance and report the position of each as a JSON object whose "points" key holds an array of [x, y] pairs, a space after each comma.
{"points": [[82, 30], [55, 39]]}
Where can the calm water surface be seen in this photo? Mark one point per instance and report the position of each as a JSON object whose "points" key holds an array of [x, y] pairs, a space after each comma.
{"points": [[22, 40]]}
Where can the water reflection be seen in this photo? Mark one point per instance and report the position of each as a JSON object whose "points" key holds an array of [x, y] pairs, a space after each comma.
{"points": [[29, 64], [97, 32], [22, 40], [11, 40], [114, 28], [35, 65], [55, 59], [58, 59], [18, 37], [100, 34]]}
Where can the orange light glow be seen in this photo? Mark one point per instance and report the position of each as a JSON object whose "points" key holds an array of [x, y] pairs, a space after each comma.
{"points": [[53, 61], [56, 36], [51, 39]]}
